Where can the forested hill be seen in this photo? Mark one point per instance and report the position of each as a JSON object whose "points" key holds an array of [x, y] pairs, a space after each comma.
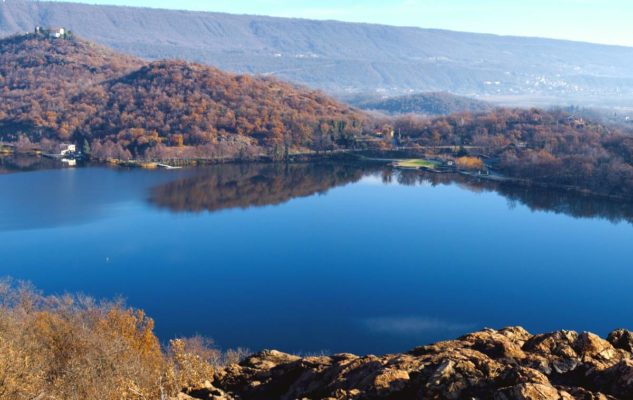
{"points": [[433, 103], [342, 57], [70, 89], [39, 79]]}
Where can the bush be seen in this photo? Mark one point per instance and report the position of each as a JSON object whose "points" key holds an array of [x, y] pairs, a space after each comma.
{"points": [[73, 347], [471, 163]]}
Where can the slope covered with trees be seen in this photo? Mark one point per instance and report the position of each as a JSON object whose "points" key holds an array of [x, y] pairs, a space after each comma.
{"points": [[549, 147], [69, 89], [181, 104], [40, 77]]}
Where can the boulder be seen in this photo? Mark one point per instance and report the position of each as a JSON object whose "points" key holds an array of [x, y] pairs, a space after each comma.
{"points": [[621, 339]]}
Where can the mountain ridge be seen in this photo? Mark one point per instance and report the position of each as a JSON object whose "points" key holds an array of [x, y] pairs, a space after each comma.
{"points": [[342, 57]]}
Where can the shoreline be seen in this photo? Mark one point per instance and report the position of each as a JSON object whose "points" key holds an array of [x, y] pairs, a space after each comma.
{"points": [[386, 157]]}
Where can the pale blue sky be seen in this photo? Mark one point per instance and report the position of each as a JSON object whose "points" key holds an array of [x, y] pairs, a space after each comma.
{"points": [[600, 21]]}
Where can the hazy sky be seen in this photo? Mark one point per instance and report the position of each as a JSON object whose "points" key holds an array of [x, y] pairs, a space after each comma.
{"points": [[601, 21]]}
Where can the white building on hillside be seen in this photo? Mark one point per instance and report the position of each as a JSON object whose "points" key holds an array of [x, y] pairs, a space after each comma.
{"points": [[51, 32]]}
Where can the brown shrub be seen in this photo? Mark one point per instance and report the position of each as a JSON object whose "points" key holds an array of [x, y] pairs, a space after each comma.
{"points": [[472, 163], [71, 347]]}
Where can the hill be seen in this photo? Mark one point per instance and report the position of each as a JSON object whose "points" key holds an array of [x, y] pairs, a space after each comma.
{"points": [[345, 57], [433, 103], [69, 89], [39, 78], [192, 104]]}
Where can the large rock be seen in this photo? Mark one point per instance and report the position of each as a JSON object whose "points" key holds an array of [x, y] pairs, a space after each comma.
{"points": [[621, 339], [507, 364]]}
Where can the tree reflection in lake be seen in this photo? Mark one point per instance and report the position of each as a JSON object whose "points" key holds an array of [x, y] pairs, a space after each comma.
{"points": [[536, 198], [17, 162], [253, 185]]}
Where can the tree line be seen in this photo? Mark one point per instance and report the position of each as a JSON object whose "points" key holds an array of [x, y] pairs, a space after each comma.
{"points": [[550, 147]]}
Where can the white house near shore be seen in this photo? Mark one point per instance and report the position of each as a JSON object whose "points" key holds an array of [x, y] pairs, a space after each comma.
{"points": [[67, 149]]}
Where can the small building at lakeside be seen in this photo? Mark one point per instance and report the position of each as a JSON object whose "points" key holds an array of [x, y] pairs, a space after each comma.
{"points": [[66, 149]]}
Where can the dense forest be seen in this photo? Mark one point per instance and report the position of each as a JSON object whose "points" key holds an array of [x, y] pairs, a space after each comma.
{"points": [[194, 105], [116, 106], [40, 77]]}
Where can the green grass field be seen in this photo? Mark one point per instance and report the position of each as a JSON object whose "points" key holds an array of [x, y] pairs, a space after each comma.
{"points": [[415, 163]]}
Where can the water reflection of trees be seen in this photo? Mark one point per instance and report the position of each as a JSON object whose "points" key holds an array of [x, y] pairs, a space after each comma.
{"points": [[536, 198], [14, 163], [251, 185]]}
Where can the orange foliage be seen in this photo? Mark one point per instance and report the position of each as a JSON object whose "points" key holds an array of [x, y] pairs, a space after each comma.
{"points": [[545, 146], [75, 348], [71, 89], [472, 163]]}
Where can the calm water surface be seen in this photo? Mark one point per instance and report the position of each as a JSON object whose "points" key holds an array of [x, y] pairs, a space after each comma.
{"points": [[329, 257]]}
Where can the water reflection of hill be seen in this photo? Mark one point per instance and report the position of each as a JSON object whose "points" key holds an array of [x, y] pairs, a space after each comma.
{"points": [[15, 163], [252, 185], [535, 198]]}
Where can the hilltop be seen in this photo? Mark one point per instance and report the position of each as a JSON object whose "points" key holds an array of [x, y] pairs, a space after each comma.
{"points": [[345, 57], [40, 76], [432, 103]]}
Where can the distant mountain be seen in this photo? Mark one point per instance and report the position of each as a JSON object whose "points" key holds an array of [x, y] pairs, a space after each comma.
{"points": [[433, 103], [346, 57], [70, 89]]}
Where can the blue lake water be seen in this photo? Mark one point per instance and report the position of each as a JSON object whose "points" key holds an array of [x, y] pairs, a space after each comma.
{"points": [[310, 258]]}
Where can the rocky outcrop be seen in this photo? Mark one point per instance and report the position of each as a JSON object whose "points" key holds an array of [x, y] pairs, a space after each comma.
{"points": [[505, 364]]}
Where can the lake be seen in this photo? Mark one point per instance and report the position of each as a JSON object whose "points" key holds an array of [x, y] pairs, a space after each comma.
{"points": [[321, 257]]}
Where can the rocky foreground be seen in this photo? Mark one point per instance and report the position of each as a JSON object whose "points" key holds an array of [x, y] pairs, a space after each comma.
{"points": [[501, 365]]}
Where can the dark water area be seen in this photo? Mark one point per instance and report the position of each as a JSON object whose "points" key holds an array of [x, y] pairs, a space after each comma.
{"points": [[321, 257]]}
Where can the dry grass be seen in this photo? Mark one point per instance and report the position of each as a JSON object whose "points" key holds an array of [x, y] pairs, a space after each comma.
{"points": [[74, 348]]}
